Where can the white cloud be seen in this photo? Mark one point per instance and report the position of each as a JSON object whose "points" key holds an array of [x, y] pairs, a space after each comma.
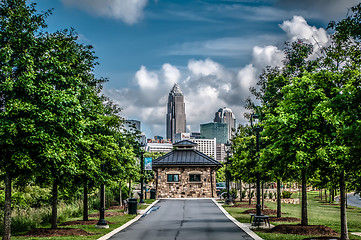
{"points": [[145, 79], [171, 74], [267, 56], [297, 28], [129, 11]]}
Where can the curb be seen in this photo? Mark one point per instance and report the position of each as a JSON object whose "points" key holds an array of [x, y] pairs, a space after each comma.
{"points": [[235, 221], [127, 224]]}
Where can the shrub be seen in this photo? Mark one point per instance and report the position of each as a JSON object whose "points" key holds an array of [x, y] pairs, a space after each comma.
{"points": [[251, 194], [270, 195], [286, 194], [244, 192], [233, 193]]}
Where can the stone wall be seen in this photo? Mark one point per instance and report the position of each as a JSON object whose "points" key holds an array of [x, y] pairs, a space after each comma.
{"points": [[184, 188]]}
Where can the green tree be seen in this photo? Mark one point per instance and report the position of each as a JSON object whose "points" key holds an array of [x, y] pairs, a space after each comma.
{"points": [[19, 27]]}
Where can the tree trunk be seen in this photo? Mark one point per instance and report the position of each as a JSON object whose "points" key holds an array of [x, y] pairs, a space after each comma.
{"points": [[304, 218], [330, 195], [130, 188], [85, 202], [120, 194], [240, 190], [7, 212], [249, 194], [321, 193], [343, 196], [279, 213], [333, 195], [54, 206], [325, 194], [262, 195]]}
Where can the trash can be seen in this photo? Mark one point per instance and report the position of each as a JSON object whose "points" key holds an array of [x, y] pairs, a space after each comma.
{"points": [[132, 206], [152, 193]]}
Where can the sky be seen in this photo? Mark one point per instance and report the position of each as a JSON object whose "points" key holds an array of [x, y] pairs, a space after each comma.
{"points": [[214, 49]]}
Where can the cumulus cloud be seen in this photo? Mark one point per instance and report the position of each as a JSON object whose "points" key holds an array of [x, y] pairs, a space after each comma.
{"points": [[267, 56], [297, 28], [206, 84], [129, 11]]}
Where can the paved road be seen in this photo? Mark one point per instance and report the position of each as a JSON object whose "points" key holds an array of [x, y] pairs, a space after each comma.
{"points": [[353, 200], [197, 219]]}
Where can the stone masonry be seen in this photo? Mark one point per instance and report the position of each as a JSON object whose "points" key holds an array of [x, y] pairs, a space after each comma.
{"points": [[184, 188]]}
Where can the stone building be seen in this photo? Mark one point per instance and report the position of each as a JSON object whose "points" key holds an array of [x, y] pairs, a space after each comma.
{"points": [[185, 173]]}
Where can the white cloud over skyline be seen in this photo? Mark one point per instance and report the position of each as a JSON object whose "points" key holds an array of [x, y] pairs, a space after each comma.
{"points": [[129, 11], [207, 85]]}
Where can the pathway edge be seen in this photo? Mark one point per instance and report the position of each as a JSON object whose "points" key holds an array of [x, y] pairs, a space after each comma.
{"points": [[127, 224], [235, 221]]}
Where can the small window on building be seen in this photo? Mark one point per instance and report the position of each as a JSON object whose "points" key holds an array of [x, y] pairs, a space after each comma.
{"points": [[194, 177], [173, 178]]}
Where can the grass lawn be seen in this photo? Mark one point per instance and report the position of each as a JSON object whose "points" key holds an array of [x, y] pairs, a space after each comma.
{"points": [[318, 214], [118, 221]]}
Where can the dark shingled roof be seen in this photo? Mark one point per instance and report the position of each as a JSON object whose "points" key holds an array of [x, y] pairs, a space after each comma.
{"points": [[181, 157]]}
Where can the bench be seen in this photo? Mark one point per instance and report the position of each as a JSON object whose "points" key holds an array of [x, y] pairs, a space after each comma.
{"points": [[259, 219]]}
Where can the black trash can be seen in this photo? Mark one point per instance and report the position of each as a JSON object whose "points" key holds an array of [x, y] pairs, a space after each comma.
{"points": [[152, 193], [132, 206]]}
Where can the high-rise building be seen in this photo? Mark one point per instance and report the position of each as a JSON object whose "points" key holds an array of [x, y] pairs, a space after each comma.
{"points": [[215, 130], [132, 125], [225, 115], [206, 146], [176, 116]]}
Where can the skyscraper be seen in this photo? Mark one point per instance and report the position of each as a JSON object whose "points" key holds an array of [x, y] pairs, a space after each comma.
{"points": [[176, 116], [225, 115]]}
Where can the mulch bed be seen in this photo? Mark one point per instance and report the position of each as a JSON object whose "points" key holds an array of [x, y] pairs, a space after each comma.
{"points": [[48, 232], [318, 230], [81, 222], [245, 206], [322, 238], [284, 219], [264, 211], [106, 214], [116, 207]]}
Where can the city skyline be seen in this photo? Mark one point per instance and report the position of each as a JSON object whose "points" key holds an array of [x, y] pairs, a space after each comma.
{"points": [[214, 49]]}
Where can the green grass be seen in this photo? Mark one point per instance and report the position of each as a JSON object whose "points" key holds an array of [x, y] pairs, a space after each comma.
{"points": [[318, 214], [118, 220]]}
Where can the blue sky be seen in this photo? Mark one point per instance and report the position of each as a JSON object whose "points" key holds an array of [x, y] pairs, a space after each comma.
{"points": [[214, 49]]}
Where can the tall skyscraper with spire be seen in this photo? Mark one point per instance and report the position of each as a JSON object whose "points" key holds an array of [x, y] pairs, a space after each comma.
{"points": [[176, 116]]}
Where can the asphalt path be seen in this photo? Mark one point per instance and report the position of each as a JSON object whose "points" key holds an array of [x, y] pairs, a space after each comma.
{"points": [[353, 200], [197, 219]]}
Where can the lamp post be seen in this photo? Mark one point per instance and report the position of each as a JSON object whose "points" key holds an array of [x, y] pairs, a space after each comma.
{"points": [[227, 148], [256, 127], [102, 223], [141, 199]]}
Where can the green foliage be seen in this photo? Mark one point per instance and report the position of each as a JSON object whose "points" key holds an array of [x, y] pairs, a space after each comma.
{"points": [[221, 174], [244, 193], [286, 194]]}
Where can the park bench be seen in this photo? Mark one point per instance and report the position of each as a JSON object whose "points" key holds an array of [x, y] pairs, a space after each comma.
{"points": [[259, 219]]}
